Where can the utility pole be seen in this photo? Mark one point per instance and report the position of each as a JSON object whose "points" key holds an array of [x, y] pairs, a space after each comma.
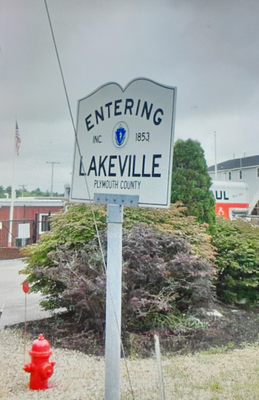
{"points": [[52, 163], [215, 155], [241, 166]]}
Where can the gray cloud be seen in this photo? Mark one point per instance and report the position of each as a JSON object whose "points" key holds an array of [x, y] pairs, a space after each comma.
{"points": [[208, 49]]}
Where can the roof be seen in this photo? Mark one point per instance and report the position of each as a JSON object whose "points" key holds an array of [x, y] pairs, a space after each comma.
{"points": [[33, 202], [229, 185], [237, 163]]}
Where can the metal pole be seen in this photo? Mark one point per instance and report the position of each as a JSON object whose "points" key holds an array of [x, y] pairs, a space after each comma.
{"points": [[159, 367], [215, 153], [11, 217], [13, 195], [52, 174], [25, 326], [113, 302]]}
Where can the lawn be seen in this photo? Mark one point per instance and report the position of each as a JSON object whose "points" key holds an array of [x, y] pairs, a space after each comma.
{"points": [[222, 373]]}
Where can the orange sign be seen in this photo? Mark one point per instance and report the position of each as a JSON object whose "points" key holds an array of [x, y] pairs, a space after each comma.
{"points": [[224, 209]]}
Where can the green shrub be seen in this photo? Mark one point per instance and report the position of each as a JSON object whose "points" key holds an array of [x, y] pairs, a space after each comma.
{"points": [[237, 245], [75, 227], [161, 279], [55, 264]]}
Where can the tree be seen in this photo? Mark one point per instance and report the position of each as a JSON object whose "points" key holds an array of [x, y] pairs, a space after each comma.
{"points": [[191, 181], [9, 190], [2, 192]]}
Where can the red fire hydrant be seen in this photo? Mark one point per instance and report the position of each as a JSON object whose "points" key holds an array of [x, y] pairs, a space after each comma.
{"points": [[40, 368]]}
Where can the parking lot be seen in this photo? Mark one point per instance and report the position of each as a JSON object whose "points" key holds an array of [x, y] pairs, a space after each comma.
{"points": [[12, 297]]}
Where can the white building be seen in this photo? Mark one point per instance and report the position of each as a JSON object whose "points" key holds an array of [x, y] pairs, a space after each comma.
{"points": [[241, 170]]}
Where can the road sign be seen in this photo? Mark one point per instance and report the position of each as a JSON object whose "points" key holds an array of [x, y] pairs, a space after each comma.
{"points": [[125, 143]]}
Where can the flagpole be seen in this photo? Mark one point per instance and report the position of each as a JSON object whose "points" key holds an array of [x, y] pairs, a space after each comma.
{"points": [[11, 213]]}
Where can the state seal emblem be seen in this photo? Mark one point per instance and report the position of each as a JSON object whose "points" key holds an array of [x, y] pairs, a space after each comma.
{"points": [[120, 134]]}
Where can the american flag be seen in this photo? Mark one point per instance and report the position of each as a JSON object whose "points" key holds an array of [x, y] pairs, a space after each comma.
{"points": [[17, 139]]}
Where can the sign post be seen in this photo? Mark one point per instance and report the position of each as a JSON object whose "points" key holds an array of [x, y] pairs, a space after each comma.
{"points": [[113, 302], [123, 157]]}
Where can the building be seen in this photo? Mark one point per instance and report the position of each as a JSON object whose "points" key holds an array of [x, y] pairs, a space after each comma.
{"points": [[239, 170], [31, 218], [231, 198]]}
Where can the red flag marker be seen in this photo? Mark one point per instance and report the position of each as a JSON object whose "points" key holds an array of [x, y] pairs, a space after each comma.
{"points": [[26, 287]]}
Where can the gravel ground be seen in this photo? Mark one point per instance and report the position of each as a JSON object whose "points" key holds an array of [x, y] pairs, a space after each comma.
{"points": [[216, 374], [77, 376]]}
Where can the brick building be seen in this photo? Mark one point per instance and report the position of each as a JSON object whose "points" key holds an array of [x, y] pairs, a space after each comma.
{"points": [[31, 218]]}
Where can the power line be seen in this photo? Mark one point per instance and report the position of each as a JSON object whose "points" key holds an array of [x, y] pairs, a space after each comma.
{"points": [[86, 183]]}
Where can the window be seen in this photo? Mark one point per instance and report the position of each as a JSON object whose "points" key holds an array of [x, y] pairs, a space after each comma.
{"points": [[44, 224], [229, 176], [240, 174], [257, 172]]}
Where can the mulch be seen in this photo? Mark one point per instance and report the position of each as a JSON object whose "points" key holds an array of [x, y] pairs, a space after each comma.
{"points": [[236, 327]]}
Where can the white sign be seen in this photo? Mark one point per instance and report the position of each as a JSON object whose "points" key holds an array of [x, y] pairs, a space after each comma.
{"points": [[230, 192], [23, 231], [125, 140]]}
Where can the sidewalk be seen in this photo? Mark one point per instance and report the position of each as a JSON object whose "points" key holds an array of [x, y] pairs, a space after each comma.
{"points": [[12, 297]]}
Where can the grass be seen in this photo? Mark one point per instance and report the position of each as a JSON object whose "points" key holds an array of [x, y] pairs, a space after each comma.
{"points": [[229, 375], [218, 374]]}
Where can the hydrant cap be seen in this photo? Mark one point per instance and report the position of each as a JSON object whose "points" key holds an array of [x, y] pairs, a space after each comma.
{"points": [[41, 347]]}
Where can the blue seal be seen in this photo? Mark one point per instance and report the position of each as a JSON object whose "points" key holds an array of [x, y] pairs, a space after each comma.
{"points": [[120, 134]]}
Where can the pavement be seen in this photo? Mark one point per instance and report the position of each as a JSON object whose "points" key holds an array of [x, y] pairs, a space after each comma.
{"points": [[12, 297]]}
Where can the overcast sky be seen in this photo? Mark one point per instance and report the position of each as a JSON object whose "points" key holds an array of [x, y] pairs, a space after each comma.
{"points": [[209, 49]]}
